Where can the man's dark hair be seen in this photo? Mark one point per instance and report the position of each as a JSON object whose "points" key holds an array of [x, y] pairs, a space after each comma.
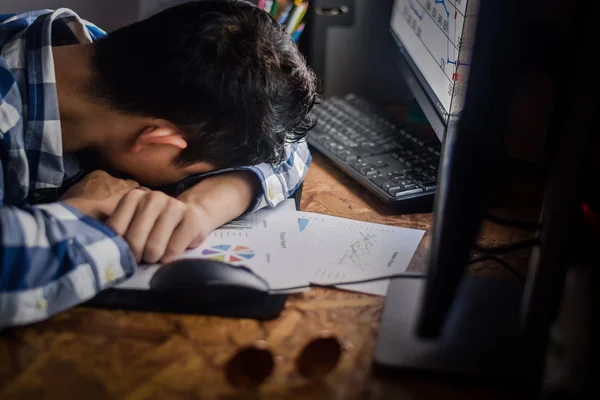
{"points": [[225, 72]]}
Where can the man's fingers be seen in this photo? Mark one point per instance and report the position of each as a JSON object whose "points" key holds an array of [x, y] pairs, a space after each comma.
{"points": [[197, 241], [144, 220], [155, 225], [186, 233], [162, 232], [123, 214]]}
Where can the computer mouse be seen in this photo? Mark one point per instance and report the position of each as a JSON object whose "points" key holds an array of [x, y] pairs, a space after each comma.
{"points": [[198, 282]]}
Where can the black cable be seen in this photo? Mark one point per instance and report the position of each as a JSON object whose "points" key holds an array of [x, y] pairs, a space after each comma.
{"points": [[405, 275], [512, 222], [500, 261], [507, 248]]}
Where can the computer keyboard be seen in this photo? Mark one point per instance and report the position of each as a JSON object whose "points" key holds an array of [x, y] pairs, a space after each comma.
{"points": [[384, 155]]}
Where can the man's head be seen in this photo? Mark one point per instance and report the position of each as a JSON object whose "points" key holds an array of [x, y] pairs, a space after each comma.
{"points": [[207, 84]]}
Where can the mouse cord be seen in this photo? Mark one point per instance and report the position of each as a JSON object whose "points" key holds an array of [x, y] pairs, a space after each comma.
{"points": [[405, 275]]}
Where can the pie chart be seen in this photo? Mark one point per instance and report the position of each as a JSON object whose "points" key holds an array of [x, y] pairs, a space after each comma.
{"points": [[233, 254]]}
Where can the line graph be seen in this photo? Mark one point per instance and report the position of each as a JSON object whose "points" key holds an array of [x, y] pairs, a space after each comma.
{"points": [[345, 249], [359, 250], [438, 36], [444, 23], [443, 2]]}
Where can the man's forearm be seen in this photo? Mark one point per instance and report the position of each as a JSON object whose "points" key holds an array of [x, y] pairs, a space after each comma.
{"points": [[54, 258], [223, 197]]}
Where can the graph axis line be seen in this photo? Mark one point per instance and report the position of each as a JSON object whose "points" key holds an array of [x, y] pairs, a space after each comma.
{"points": [[455, 62]]}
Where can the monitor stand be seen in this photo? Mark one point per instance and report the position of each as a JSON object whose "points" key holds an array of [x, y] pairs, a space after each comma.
{"points": [[482, 334]]}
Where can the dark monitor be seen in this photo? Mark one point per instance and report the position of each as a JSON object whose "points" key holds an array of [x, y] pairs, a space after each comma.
{"points": [[472, 157], [451, 321], [436, 40]]}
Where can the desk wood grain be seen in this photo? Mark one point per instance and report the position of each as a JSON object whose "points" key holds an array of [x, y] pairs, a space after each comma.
{"points": [[99, 354]]}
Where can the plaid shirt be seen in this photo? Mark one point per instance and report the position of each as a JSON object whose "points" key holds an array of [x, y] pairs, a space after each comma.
{"points": [[53, 257]]}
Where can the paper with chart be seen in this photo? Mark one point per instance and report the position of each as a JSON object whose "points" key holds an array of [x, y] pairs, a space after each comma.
{"points": [[342, 249], [265, 241]]}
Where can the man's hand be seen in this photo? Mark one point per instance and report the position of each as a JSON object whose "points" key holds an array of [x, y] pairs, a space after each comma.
{"points": [[158, 226], [98, 194]]}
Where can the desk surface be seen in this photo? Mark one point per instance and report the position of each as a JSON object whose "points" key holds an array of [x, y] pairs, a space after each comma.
{"points": [[100, 354]]}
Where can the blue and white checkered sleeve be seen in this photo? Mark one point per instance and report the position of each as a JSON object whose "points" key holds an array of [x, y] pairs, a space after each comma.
{"points": [[52, 257], [279, 182]]}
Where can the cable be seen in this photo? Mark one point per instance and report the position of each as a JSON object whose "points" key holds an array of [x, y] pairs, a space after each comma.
{"points": [[500, 261], [507, 248], [408, 275], [512, 222], [405, 275]]}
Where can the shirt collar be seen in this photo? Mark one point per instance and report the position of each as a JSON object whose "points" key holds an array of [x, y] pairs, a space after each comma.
{"points": [[49, 168]]}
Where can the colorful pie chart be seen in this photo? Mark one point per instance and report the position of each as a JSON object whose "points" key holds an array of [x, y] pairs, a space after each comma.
{"points": [[233, 254]]}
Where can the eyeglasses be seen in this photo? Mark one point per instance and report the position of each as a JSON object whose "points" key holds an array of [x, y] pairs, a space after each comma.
{"points": [[253, 364]]}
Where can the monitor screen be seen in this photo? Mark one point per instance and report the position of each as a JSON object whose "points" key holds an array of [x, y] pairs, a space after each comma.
{"points": [[436, 38]]}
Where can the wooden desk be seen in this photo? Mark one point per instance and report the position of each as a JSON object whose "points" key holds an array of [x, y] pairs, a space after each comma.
{"points": [[98, 354]]}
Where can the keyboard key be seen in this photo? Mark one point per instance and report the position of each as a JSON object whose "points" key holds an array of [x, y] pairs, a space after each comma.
{"points": [[428, 185], [394, 189], [332, 145], [380, 164], [405, 192], [403, 182], [346, 155], [398, 177], [387, 186], [360, 165], [420, 178], [369, 168], [428, 182], [380, 181], [364, 151], [392, 171]]}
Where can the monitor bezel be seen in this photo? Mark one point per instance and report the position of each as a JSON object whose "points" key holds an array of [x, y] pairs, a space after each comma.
{"points": [[431, 106]]}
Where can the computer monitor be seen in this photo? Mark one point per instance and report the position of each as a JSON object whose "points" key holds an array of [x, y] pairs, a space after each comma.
{"points": [[435, 39], [450, 321]]}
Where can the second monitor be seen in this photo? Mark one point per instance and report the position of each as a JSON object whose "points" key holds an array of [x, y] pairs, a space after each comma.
{"points": [[391, 155]]}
